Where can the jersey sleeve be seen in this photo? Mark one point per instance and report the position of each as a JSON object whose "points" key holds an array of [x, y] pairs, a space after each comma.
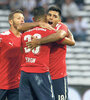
{"points": [[64, 28]]}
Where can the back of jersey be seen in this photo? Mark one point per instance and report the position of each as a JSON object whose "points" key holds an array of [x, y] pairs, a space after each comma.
{"points": [[36, 60]]}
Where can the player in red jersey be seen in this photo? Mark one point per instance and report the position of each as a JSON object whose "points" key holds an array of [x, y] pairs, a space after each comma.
{"points": [[57, 63], [10, 55], [10, 58], [35, 83]]}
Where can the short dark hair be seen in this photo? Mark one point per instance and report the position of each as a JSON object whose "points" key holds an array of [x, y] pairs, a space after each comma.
{"points": [[38, 12], [12, 13], [54, 8]]}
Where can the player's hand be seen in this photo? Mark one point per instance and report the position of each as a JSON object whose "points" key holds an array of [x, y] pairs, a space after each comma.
{"points": [[33, 43], [46, 25]]}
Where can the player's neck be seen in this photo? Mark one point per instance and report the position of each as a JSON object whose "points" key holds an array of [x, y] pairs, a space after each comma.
{"points": [[15, 32]]}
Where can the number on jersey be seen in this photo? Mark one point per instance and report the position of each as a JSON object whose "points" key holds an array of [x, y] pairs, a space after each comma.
{"points": [[28, 38], [61, 97]]}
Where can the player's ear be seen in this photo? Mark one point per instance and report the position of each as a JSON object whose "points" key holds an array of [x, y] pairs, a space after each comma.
{"points": [[10, 22]]}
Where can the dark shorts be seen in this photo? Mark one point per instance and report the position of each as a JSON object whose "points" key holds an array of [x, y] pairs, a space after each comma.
{"points": [[12, 94], [60, 87], [36, 86]]}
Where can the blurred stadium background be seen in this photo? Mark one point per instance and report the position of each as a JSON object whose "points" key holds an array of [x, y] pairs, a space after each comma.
{"points": [[76, 15]]}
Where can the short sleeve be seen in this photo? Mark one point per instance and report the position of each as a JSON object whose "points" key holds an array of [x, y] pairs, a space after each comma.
{"points": [[64, 28]]}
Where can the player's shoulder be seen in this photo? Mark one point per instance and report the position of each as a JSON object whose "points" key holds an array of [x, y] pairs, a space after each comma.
{"points": [[37, 29], [5, 33], [25, 33], [62, 24]]}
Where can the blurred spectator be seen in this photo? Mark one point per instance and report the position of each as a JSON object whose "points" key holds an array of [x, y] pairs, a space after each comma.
{"points": [[27, 15], [59, 2], [43, 3], [50, 1], [70, 23], [78, 28], [80, 3], [69, 8], [14, 4], [4, 4], [29, 4]]}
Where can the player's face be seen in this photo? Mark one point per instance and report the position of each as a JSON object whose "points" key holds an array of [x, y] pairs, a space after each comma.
{"points": [[53, 18], [18, 19]]}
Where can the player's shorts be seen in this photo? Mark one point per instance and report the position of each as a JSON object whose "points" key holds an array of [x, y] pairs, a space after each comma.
{"points": [[60, 87], [36, 86], [12, 94]]}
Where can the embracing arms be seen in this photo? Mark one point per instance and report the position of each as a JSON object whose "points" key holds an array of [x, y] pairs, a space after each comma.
{"points": [[27, 26], [52, 38]]}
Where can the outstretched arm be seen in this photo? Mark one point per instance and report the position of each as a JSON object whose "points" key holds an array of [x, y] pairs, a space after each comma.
{"points": [[26, 26], [60, 34]]}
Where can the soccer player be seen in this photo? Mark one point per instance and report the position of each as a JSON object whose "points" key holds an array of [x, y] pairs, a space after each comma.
{"points": [[35, 83], [57, 64], [10, 55], [10, 58]]}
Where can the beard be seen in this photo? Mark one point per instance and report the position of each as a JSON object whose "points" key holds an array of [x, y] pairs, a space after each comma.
{"points": [[15, 25]]}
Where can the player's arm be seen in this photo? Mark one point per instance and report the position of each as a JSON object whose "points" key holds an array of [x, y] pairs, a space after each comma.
{"points": [[68, 40], [60, 34], [26, 26]]}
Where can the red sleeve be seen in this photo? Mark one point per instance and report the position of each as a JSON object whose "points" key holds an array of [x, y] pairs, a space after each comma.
{"points": [[64, 28]]}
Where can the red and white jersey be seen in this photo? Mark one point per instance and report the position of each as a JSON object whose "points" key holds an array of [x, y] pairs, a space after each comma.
{"points": [[58, 56], [36, 60], [10, 58]]}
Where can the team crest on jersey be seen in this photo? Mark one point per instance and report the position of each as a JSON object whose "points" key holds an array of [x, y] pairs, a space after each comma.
{"points": [[5, 33]]}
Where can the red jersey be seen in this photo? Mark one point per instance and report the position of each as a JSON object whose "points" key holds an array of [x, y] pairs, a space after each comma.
{"points": [[58, 56], [10, 58], [36, 60]]}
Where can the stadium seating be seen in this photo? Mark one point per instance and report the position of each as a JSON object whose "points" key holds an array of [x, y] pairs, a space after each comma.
{"points": [[4, 25], [78, 63]]}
